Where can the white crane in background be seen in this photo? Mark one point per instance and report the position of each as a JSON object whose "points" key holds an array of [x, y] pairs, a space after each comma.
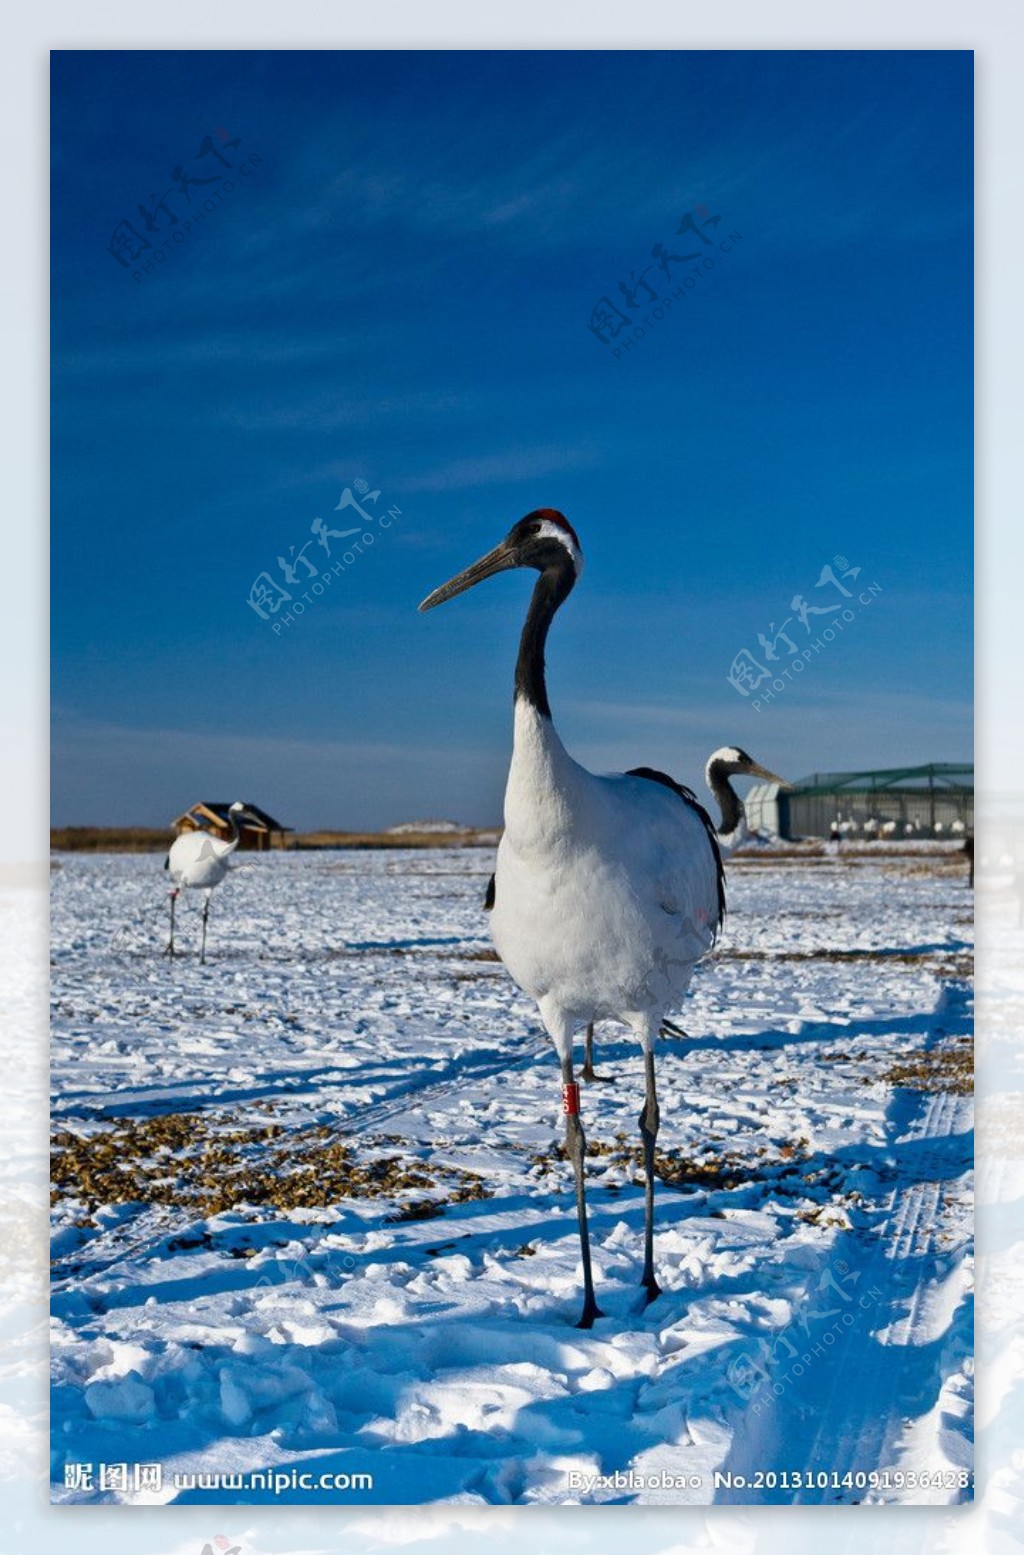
{"points": [[198, 861]]}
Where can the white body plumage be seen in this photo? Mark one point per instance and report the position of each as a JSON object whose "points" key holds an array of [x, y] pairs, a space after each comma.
{"points": [[606, 889], [198, 861]]}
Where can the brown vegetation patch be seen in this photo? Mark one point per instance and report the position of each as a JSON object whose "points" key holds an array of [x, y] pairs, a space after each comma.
{"points": [[111, 839], [207, 1163], [471, 837], [953, 963], [677, 1170], [149, 839], [947, 1067]]}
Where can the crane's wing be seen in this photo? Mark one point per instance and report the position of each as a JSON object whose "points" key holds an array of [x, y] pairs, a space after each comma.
{"points": [[689, 798]]}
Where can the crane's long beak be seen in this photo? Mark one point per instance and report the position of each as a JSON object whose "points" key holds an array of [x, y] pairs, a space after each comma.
{"points": [[770, 777], [499, 560]]}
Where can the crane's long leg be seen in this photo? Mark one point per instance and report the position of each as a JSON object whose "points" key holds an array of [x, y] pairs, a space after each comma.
{"points": [[170, 944], [206, 914], [649, 1120], [587, 1072], [576, 1149]]}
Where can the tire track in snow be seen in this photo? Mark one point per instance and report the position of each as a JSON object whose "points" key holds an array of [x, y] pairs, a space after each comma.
{"points": [[901, 1357], [902, 1340]]}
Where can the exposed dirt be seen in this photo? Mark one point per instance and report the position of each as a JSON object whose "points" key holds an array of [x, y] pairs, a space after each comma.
{"points": [[208, 1163], [949, 1066], [953, 963], [677, 1170]]}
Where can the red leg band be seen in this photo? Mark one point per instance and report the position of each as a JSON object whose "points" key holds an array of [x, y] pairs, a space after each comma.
{"points": [[571, 1099]]}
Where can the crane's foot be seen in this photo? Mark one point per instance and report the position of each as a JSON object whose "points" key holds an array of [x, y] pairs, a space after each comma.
{"points": [[651, 1288], [670, 1029], [588, 1073], [591, 1310], [169, 950]]}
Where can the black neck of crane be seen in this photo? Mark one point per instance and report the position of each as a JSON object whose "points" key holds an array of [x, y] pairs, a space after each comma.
{"points": [[728, 800], [551, 590]]}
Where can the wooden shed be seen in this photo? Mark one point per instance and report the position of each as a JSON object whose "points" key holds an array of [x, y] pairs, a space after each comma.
{"points": [[259, 831]]}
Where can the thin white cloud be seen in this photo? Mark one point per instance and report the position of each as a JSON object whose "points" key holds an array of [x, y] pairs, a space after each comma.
{"points": [[249, 749], [520, 464], [110, 775], [645, 713]]}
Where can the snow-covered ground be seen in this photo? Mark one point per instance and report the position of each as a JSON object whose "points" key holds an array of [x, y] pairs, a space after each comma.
{"points": [[311, 1215]]}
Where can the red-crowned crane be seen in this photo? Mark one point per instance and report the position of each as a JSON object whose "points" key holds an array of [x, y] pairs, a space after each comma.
{"points": [[608, 889], [199, 862]]}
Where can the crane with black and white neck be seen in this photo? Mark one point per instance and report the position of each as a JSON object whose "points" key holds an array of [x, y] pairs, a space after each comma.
{"points": [[727, 762], [608, 890]]}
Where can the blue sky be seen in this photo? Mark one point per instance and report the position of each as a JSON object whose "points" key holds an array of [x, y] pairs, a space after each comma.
{"points": [[398, 292]]}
